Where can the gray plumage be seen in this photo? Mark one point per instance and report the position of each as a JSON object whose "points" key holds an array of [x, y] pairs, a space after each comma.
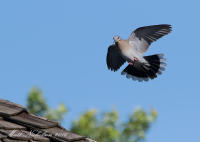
{"points": [[141, 68]]}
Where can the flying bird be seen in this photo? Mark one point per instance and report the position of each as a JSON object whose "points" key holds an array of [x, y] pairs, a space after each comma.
{"points": [[141, 68]]}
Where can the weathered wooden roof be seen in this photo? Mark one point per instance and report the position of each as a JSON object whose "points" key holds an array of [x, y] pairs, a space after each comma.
{"points": [[18, 125]]}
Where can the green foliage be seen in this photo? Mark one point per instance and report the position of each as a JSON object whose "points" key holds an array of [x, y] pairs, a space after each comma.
{"points": [[107, 128], [138, 123], [103, 127], [56, 114], [36, 104]]}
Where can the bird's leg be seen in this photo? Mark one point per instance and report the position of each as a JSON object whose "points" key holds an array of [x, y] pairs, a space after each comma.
{"points": [[134, 59], [130, 63]]}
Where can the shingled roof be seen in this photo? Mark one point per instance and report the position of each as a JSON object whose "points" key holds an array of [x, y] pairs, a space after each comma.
{"points": [[18, 125]]}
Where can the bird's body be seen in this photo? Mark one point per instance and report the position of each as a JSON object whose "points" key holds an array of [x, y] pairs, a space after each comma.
{"points": [[131, 50]]}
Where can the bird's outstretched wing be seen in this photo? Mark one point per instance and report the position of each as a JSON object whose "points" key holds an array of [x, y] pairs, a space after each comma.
{"points": [[142, 37], [114, 59]]}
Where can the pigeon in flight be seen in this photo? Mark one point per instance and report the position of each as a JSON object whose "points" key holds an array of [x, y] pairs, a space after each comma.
{"points": [[141, 68]]}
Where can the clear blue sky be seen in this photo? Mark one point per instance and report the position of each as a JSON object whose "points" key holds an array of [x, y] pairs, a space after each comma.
{"points": [[60, 46]]}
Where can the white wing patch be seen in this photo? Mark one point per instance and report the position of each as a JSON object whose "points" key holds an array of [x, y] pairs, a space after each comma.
{"points": [[140, 46]]}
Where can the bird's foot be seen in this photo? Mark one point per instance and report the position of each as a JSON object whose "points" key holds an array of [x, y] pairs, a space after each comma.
{"points": [[135, 59], [130, 63]]}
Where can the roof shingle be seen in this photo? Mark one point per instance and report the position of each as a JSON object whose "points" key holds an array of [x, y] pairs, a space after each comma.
{"points": [[18, 125]]}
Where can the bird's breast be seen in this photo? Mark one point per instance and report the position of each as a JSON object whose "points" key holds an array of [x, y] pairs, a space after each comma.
{"points": [[124, 46], [128, 52]]}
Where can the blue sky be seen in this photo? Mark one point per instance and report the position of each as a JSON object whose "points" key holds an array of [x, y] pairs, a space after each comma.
{"points": [[61, 46]]}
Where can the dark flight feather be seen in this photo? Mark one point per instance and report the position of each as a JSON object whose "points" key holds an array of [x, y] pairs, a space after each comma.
{"points": [[152, 33], [114, 59]]}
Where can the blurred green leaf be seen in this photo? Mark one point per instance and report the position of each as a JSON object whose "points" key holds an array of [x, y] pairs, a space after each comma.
{"points": [[103, 127], [36, 104]]}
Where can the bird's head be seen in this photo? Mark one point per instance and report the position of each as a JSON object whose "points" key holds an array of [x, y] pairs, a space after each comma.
{"points": [[116, 38]]}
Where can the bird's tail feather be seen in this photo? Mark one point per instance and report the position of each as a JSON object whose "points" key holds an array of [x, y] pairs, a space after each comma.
{"points": [[142, 71]]}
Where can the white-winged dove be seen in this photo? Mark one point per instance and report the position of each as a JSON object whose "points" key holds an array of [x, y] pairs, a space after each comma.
{"points": [[141, 68]]}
